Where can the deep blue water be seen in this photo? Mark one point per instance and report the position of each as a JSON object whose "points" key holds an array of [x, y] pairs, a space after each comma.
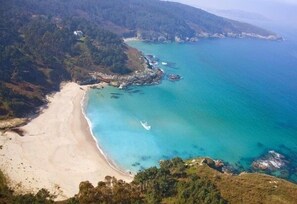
{"points": [[236, 101]]}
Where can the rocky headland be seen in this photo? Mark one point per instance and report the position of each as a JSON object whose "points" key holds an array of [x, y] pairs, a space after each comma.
{"points": [[137, 78], [159, 37]]}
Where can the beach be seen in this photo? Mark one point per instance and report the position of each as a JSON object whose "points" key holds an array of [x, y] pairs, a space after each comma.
{"points": [[57, 151]]}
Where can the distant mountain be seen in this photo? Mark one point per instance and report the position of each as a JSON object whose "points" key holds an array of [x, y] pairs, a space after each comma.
{"points": [[39, 47]]}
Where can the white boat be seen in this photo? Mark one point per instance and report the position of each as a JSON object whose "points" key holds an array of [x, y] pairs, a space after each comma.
{"points": [[164, 63], [145, 125]]}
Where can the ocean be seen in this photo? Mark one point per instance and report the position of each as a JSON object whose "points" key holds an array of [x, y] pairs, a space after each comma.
{"points": [[236, 101]]}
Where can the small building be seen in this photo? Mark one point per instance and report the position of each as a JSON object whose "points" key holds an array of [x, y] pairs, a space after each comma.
{"points": [[78, 33]]}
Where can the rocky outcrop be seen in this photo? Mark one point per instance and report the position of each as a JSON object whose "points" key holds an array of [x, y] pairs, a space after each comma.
{"points": [[174, 77], [271, 161], [145, 77], [219, 165]]}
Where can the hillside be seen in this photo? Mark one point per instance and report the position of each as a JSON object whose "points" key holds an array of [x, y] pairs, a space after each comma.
{"points": [[38, 52], [152, 20], [176, 181]]}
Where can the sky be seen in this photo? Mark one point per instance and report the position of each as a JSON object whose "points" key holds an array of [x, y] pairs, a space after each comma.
{"points": [[282, 12], [236, 4]]}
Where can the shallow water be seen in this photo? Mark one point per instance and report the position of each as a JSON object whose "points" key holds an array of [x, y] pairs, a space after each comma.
{"points": [[236, 101]]}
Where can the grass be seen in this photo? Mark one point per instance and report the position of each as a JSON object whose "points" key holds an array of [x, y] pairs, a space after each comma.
{"points": [[248, 187]]}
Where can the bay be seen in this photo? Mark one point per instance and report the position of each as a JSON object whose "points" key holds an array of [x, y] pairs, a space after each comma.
{"points": [[236, 101]]}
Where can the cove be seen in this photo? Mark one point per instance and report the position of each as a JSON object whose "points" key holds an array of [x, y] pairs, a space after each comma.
{"points": [[237, 100]]}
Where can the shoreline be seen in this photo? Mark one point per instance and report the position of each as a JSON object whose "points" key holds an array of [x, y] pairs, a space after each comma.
{"points": [[58, 149], [101, 152]]}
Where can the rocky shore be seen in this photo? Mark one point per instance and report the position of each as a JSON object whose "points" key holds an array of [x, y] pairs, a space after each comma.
{"points": [[138, 78], [159, 37], [271, 161]]}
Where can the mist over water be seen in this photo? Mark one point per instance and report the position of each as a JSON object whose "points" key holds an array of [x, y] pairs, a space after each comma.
{"points": [[236, 101]]}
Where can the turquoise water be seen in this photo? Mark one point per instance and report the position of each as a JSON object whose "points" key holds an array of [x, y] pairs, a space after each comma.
{"points": [[236, 101]]}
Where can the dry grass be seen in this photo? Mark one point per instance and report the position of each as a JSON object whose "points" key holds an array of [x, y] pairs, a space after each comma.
{"points": [[249, 187], [135, 61]]}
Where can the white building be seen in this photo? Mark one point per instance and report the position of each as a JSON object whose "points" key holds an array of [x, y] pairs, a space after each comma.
{"points": [[78, 33]]}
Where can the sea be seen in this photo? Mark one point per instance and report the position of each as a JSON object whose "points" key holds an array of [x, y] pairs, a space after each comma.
{"points": [[236, 101]]}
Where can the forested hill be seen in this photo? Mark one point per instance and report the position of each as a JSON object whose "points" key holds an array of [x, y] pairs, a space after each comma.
{"points": [[39, 50], [148, 19]]}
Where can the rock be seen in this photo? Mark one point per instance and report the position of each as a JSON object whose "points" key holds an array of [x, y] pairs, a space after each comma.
{"points": [[146, 77], [174, 77], [271, 161], [229, 169], [219, 164], [211, 163], [89, 81], [114, 83]]}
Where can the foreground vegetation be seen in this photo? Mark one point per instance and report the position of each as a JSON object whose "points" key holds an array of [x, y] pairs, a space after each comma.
{"points": [[7, 195], [175, 181]]}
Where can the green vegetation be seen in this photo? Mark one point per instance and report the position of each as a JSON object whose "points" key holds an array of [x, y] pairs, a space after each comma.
{"points": [[168, 184], [39, 51], [175, 181], [171, 184]]}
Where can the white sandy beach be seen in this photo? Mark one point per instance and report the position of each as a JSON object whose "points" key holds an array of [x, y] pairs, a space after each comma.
{"points": [[57, 151]]}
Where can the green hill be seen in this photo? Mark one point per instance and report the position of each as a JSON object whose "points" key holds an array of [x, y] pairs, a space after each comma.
{"points": [[149, 20]]}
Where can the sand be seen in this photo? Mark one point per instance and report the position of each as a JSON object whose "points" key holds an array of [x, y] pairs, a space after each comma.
{"points": [[57, 151]]}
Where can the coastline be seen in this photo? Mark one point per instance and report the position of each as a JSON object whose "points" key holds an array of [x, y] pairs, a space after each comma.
{"points": [[97, 143], [58, 149]]}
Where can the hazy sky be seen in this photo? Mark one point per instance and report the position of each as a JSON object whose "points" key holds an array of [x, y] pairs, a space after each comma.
{"points": [[279, 11], [238, 4], [258, 5]]}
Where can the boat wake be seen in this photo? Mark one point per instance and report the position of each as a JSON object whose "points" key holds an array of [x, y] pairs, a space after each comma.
{"points": [[145, 125]]}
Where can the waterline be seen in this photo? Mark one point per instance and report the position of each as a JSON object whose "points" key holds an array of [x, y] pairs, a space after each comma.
{"points": [[112, 164]]}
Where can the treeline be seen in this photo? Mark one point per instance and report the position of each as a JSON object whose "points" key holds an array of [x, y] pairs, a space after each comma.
{"points": [[7, 195], [169, 183]]}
